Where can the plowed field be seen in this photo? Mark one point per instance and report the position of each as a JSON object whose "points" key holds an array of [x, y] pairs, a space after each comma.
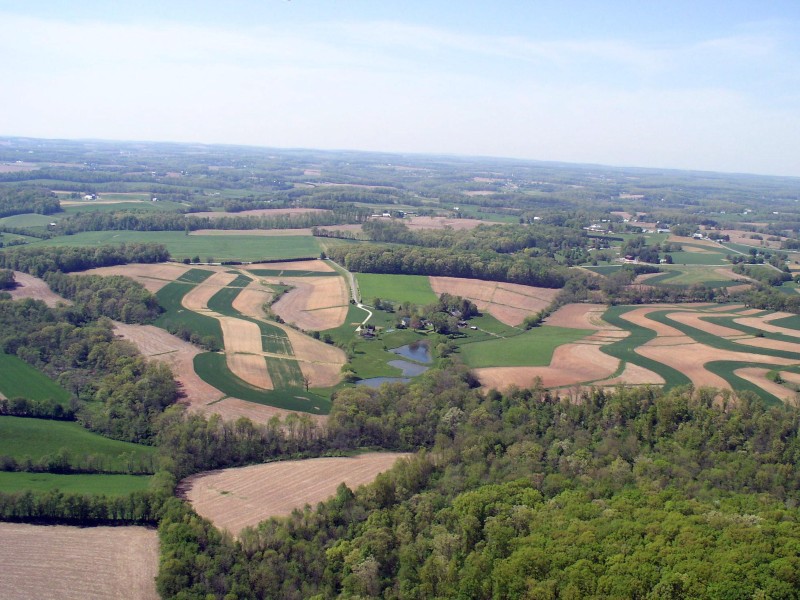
{"points": [[242, 497], [65, 563]]}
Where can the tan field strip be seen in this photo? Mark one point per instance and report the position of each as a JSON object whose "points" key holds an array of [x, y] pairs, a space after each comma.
{"points": [[315, 303], [232, 409], [571, 364], [322, 363], [691, 360], [580, 316], [29, 286], [56, 562], [251, 300], [765, 325], [321, 266], [251, 368], [758, 376], [152, 276], [243, 497], [197, 298], [509, 303], [635, 375]]}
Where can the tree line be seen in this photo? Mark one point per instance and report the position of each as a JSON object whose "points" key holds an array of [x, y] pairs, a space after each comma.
{"points": [[23, 200], [40, 260]]}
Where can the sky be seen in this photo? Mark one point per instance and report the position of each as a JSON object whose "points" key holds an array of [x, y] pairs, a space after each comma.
{"points": [[701, 85]]}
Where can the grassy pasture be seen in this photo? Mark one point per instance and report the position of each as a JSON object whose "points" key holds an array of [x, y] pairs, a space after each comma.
{"points": [[218, 247], [19, 379], [533, 348], [105, 485], [213, 369], [29, 220], [285, 373], [684, 276], [624, 349], [398, 288], [699, 258], [36, 438], [132, 206], [195, 276]]}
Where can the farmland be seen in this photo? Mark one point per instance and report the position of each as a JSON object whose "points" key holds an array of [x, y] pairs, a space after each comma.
{"points": [[81, 563], [415, 289], [34, 439], [216, 247], [109, 485], [237, 498], [19, 379]]}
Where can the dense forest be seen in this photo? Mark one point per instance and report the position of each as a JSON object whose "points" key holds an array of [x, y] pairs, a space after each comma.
{"points": [[633, 493], [22, 200]]}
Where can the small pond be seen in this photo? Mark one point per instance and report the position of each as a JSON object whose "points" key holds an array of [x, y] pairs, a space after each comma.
{"points": [[409, 369], [418, 352]]}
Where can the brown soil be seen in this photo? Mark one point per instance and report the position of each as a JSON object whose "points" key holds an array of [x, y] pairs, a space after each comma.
{"points": [[258, 212], [197, 298], [65, 563], [691, 360], [758, 376], [765, 325], [636, 375], [315, 303], [571, 364], [243, 497], [29, 286], [579, 316], [153, 277], [299, 265], [509, 303], [251, 300], [320, 362], [159, 345], [638, 316]]}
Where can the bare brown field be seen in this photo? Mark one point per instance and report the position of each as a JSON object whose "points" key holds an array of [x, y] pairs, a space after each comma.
{"points": [[197, 298], [159, 345], [728, 273], [250, 301], [638, 317], [571, 364], [243, 497], [694, 319], [321, 266], [635, 375], [18, 167], [320, 362], [251, 368], [743, 237], [509, 303], [232, 409], [579, 316], [758, 376], [765, 325], [244, 351], [443, 223], [151, 276], [480, 193], [56, 562], [315, 303], [29, 286], [259, 212]]}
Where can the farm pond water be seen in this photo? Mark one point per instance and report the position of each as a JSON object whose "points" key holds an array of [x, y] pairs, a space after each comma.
{"points": [[418, 351]]}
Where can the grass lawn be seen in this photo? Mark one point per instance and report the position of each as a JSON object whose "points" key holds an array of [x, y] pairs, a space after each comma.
{"points": [[398, 288], [533, 348], [20, 380], [108, 485], [35, 438], [213, 369], [218, 247]]}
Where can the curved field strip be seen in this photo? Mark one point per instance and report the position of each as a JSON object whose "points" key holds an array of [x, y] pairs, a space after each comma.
{"points": [[56, 561], [571, 364], [243, 497], [580, 316], [213, 369], [29, 286], [509, 303], [152, 276], [759, 376], [297, 265], [756, 326], [314, 303], [197, 299], [789, 322], [250, 302], [625, 349], [171, 297]]}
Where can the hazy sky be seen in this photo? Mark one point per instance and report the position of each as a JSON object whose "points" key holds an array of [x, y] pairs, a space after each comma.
{"points": [[697, 85]]}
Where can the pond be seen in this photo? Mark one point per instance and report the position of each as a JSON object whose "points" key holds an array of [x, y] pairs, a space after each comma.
{"points": [[375, 382], [418, 351]]}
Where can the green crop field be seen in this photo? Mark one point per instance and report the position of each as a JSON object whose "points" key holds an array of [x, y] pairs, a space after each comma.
{"points": [[218, 247], [36, 438], [195, 276], [682, 276], [398, 288], [175, 315], [530, 349], [107, 485], [792, 322], [698, 258], [29, 220], [133, 206], [624, 349], [213, 369], [285, 373], [20, 380]]}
